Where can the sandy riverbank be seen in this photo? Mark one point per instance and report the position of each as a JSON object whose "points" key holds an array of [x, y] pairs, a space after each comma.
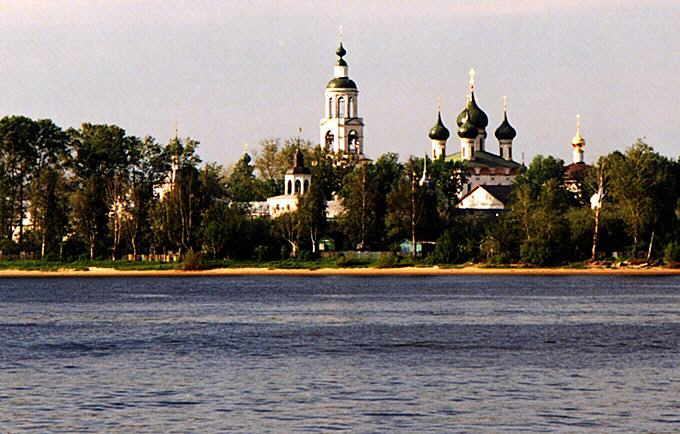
{"points": [[404, 271]]}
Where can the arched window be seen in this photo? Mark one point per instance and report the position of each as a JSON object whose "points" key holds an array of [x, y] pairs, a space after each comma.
{"points": [[298, 186], [306, 189], [290, 188], [330, 138], [353, 139], [341, 107], [330, 107], [350, 108]]}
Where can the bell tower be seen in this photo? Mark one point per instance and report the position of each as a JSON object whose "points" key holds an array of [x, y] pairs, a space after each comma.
{"points": [[341, 129], [578, 143]]}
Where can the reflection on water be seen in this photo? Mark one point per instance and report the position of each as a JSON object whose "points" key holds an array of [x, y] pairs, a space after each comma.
{"points": [[439, 354]]}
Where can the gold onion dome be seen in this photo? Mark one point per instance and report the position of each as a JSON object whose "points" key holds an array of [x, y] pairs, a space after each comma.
{"points": [[439, 131], [578, 139]]}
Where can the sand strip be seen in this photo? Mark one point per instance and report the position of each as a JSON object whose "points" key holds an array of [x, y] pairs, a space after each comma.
{"points": [[404, 271]]}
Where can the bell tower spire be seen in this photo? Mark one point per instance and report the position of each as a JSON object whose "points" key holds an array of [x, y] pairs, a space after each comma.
{"points": [[578, 142]]}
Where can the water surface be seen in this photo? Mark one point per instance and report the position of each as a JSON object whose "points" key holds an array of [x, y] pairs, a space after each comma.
{"points": [[339, 353]]}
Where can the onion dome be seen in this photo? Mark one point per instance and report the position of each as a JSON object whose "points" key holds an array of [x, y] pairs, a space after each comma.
{"points": [[505, 131], [475, 114], [439, 131], [578, 140], [298, 164], [341, 83], [467, 130]]}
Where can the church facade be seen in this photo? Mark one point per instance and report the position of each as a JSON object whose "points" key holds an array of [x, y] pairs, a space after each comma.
{"points": [[490, 175]]}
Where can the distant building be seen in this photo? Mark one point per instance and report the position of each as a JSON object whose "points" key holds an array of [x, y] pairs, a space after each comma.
{"points": [[575, 173], [296, 183], [341, 128], [486, 198], [485, 169]]}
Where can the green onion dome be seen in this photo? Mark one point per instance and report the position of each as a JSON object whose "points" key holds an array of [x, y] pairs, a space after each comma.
{"points": [[505, 131], [474, 113], [341, 83], [439, 131], [467, 130]]}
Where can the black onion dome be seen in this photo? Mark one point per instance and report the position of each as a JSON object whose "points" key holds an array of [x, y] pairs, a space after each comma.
{"points": [[341, 83], [505, 131], [477, 115], [341, 51], [298, 164], [439, 131], [474, 113], [467, 130]]}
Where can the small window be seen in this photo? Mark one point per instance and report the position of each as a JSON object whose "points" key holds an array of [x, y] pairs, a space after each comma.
{"points": [[290, 188], [306, 187], [354, 145], [341, 107], [298, 186]]}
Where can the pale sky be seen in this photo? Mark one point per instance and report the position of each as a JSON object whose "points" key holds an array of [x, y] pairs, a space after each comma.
{"points": [[236, 72]]}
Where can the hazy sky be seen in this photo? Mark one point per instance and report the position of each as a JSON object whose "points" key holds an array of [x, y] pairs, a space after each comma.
{"points": [[235, 72]]}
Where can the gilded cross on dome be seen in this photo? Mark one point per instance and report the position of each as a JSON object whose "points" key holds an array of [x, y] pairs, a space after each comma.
{"points": [[472, 79]]}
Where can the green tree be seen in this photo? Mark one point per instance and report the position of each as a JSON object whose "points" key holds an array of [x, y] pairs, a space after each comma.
{"points": [[312, 213], [289, 226], [411, 207], [102, 157], [224, 230], [149, 167], [49, 208], [644, 191], [360, 197], [176, 217], [242, 186]]}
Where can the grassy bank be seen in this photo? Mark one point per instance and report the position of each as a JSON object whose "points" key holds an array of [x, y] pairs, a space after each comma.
{"points": [[342, 262]]}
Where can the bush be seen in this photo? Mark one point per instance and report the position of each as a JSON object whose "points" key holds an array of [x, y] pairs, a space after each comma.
{"points": [[387, 260], [193, 261], [671, 254], [453, 248], [536, 252], [9, 247]]}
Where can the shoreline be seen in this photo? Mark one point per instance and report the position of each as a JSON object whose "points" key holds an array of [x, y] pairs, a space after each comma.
{"points": [[367, 272]]}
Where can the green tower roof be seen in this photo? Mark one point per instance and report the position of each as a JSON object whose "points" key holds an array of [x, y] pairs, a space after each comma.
{"points": [[439, 131], [505, 131]]}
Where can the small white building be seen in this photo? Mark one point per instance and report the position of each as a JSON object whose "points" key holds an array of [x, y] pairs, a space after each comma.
{"points": [[486, 198], [296, 183]]}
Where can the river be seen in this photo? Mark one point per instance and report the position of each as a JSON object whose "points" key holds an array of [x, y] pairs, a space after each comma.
{"points": [[337, 353]]}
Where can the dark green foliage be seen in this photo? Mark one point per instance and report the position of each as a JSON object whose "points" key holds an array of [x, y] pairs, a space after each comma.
{"points": [[671, 254], [387, 260], [96, 192], [242, 186], [193, 261], [538, 252]]}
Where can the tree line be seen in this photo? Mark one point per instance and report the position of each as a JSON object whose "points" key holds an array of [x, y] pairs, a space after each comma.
{"points": [[97, 192]]}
